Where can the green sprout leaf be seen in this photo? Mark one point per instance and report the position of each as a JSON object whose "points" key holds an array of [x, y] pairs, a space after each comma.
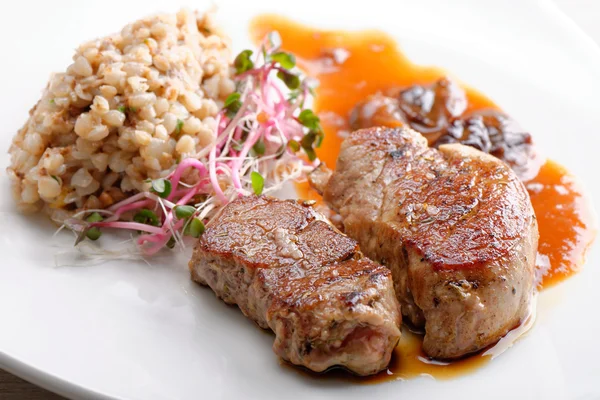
{"points": [[94, 217], [259, 147], [242, 62], [316, 135], [195, 228], [286, 60], [178, 127], [93, 233], [182, 212], [294, 145], [319, 136], [292, 81], [171, 243], [122, 109], [232, 98], [307, 145], [162, 187], [232, 104], [309, 119], [237, 146], [147, 217], [258, 182]]}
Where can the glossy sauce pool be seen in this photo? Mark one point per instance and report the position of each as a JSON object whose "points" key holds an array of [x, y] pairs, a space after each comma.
{"points": [[352, 65]]}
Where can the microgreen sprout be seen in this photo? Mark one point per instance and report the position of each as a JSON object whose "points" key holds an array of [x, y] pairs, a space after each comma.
{"points": [[258, 183], [242, 62], [264, 137], [178, 127], [162, 187], [146, 216], [291, 80], [259, 148], [182, 212], [286, 60], [195, 228], [93, 233]]}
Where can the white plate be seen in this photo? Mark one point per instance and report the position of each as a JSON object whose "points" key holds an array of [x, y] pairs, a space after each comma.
{"points": [[129, 330]]}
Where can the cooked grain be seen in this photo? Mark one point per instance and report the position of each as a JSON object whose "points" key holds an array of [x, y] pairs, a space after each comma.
{"points": [[127, 109]]}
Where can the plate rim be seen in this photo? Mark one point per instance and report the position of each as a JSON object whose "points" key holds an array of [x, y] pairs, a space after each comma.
{"points": [[63, 387]]}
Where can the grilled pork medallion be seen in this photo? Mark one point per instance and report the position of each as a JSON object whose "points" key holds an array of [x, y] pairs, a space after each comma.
{"points": [[454, 225], [289, 270]]}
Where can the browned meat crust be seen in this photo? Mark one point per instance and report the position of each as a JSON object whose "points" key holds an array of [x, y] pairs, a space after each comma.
{"points": [[291, 271], [454, 225]]}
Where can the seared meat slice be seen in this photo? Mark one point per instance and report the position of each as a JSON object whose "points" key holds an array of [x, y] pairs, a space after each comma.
{"points": [[289, 270], [454, 225]]}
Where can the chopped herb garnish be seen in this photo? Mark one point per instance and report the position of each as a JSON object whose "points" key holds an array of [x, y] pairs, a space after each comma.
{"points": [[147, 217], [182, 212], [125, 109], [52, 101], [242, 62], [286, 60], [292, 81], [55, 178], [178, 127], [258, 182], [195, 228], [162, 187]]}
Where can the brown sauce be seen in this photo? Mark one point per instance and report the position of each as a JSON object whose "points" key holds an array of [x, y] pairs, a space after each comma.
{"points": [[350, 66], [408, 361]]}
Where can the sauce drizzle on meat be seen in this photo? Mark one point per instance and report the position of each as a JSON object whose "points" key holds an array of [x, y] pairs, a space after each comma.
{"points": [[350, 67]]}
